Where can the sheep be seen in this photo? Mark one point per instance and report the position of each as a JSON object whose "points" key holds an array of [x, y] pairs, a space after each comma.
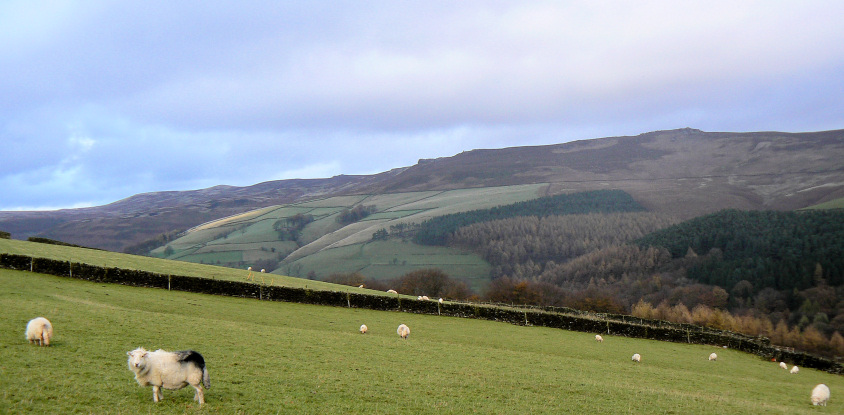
{"points": [[403, 331], [263, 270], [794, 369], [419, 298], [820, 395], [360, 286], [425, 297], [783, 365], [713, 356], [170, 370], [637, 358], [598, 338], [363, 329], [39, 330], [391, 292], [441, 300]]}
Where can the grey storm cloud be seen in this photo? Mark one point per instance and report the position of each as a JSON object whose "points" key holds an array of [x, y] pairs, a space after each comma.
{"points": [[105, 99]]}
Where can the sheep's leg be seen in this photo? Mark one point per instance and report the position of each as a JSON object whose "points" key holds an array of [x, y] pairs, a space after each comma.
{"points": [[199, 395], [156, 393]]}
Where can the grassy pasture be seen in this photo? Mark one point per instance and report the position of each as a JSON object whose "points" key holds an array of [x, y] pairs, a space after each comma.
{"points": [[163, 266], [267, 357], [392, 258], [832, 204]]}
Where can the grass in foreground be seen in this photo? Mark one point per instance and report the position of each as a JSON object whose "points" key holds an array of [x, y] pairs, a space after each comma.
{"points": [[267, 357]]}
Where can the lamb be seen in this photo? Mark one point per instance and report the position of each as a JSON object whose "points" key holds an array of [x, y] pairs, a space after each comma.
{"points": [[598, 338], [820, 395], [363, 329], [637, 358], [794, 369], [713, 356], [170, 370], [783, 365], [39, 330], [403, 331]]}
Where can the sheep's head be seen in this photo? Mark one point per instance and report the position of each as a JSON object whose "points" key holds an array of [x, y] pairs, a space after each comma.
{"points": [[136, 357]]}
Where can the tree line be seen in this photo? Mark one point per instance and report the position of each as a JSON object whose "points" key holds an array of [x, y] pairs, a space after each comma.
{"points": [[436, 231]]}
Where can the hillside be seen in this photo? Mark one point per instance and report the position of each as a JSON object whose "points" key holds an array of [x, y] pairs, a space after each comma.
{"points": [[684, 173]]}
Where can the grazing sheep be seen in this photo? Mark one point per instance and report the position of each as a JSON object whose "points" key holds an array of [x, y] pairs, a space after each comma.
{"points": [[637, 358], [39, 330], [392, 292], [360, 286], [598, 338], [713, 356], [419, 297], [425, 297], [820, 395], [795, 369], [441, 300], [783, 365], [170, 370], [363, 329], [403, 331], [263, 270]]}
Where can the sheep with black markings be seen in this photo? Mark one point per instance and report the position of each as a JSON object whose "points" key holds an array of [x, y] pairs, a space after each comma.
{"points": [[39, 330], [170, 370]]}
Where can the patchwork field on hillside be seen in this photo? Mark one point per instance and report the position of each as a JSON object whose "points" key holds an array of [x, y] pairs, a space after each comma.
{"points": [[243, 240]]}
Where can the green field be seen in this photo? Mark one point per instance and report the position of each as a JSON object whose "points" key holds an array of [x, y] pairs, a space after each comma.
{"points": [[389, 259], [267, 357], [238, 241], [162, 266], [832, 204]]}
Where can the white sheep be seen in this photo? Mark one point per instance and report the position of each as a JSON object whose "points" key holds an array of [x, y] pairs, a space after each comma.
{"points": [[794, 369], [360, 286], [425, 297], [820, 395], [713, 356], [419, 297], [363, 329], [39, 330], [598, 338], [441, 300], [783, 365], [170, 370], [391, 292], [403, 331], [637, 358], [263, 270]]}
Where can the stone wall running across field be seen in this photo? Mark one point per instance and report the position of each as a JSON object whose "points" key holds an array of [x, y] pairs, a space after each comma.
{"points": [[562, 318]]}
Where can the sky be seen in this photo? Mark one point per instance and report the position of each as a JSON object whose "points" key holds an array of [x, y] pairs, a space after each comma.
{"points": [[102, 100]]}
